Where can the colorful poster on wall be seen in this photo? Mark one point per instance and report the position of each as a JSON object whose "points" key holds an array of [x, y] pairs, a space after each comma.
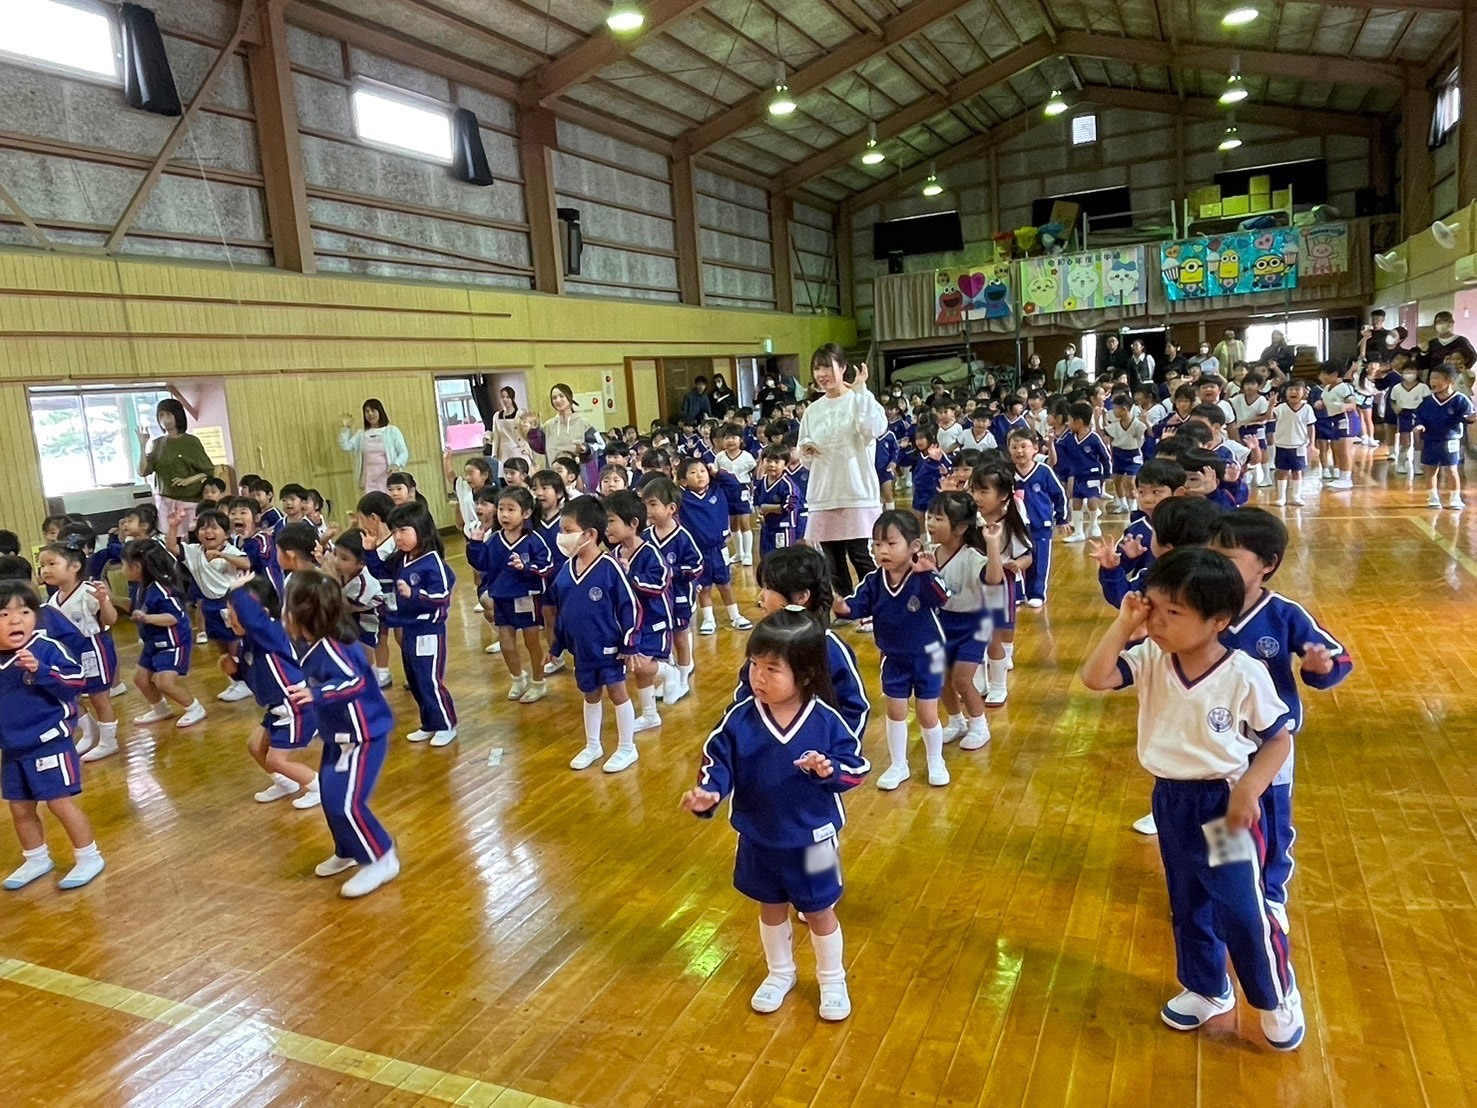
{"points": [[1230, 265], [971, 293], [1325, 250], [1095, 279]]}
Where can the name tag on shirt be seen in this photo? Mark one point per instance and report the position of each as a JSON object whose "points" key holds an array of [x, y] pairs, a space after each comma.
{"points": [[828, 831], [392, 599], [51, 761], [1225, 847]]}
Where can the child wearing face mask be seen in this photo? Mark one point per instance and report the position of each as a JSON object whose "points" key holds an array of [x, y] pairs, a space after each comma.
{"points": [[1405, 398]]}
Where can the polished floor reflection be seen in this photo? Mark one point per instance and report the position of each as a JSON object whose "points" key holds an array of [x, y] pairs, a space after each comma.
{"points": [[575, 937]]}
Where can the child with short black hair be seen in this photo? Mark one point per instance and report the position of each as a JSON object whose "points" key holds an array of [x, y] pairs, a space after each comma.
{"points": [[87, 608], [262, 491], [1441, 418], [652, 581], [373, 516], [775, 501], [1294, 440], [1044, 502], [548, 495], [1084, 456], [731, 458], [1122, 565], [515, 472], [1008, 541], [361, 589], [929, 464], [514, 562], [1335, 404], [661, 497], [704, 512], [613, 479], [1126, 433], [214, 564], [418, 605], [156, 606]]}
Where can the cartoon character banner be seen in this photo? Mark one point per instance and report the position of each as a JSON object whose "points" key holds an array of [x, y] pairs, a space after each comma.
{"points": [[1075, 282], [971, 293], [1230, 265], [1325, 250]]}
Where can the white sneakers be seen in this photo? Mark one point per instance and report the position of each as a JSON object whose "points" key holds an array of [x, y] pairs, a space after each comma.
{"points": [[1035, 602], [106, 747], [494, 647], [893, 776], [120, 689], [193, 715], [1145, 825], [1456, 503], [87, 867], [1077, 535], [1341, 483], [835, 1001], [1284, 1026], [624, 758], [742, 623], [383, 678], [976, 736], [236, 690], [280, 787], [554, 665], [938, 773], [32, 869], [162, 711], [334, 866], [647, 723], [519, 687], [955, 728], [201, 638], [1433, 499], [311, 797], [1190, 1010], [707, 627], [418, 736], [535, 692], [587, 757], [372, 876], [771, 992], [443, 738], [995, 695]]}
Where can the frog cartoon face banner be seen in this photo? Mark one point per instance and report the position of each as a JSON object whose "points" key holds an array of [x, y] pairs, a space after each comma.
{"points": [[1076, 282], [1230, 265], [977, 293]]}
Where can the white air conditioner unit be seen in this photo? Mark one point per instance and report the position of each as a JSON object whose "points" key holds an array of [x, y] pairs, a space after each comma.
{"points": [[1465, 269], [101, 507]]}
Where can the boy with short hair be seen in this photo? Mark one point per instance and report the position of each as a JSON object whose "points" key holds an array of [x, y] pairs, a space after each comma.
{"points": [[1440, 418], [1333, 404], [263, 493], [1084, 456], [1121, 566], [661, 497], [1214, 733], [1294, 440], [704, 512]]}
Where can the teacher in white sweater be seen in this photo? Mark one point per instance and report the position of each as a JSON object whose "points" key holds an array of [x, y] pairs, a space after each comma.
{"points": [[838, 442]]}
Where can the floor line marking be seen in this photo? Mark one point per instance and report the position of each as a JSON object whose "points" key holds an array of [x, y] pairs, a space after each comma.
{"points": [[211, 1023], [1426, 528]]}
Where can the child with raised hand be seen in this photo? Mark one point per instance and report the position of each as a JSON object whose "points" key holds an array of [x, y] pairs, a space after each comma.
{"points": [[652, 581], [1274, 629], [704, 512], [39, 686], [417, 606], [961, 553], [214, 564], [1126, 433], [267, 663], [1441, 418], [1214, 733], [514, 562], [599, 619], [902, 597], [372, 514], [799, 577], [677, 548], [355, 722], [87, 608], [476, 475], [1008, 545], [775, 500], [1253, 411], [1083, 454], [1121, 565], [156, 607], [361, 590], [930, 466], [785, 754], [1044, 501]]}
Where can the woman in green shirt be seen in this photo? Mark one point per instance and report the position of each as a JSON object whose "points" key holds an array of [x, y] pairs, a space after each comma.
{"points": [[177, 461]]}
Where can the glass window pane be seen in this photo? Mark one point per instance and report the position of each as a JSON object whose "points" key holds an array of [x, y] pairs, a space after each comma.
{"points": [[61, 35], [402, 124], [61, 442], [113, 443]]}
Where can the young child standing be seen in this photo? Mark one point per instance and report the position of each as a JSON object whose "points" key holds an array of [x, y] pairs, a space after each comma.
{"points": [[213, 564], [361, 590], [1126, 433], [1441, 418], [674, 543], [1334, 405], [652, 582], [373, 515], [1404, 399], [1044, 501], [514, 562], [1085, 457], [704, 512], [785, 755], [87, 606], [599, 619], [1008, 542], [156, 607], [39, 686], [1294, 440], [775, 501], [1252, 411], [355, 723], [734, 460], [902, 596], [417, 606], [930, 466], [548, 494], [961, 555]]}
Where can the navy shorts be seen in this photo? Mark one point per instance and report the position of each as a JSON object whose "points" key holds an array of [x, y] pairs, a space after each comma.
{"points": [[1438, 452], [216, 627], [966, 634], [163, 658], [1334, 427], [506, 613], [654, 644], [369, 638], [919, 674], [715, 569], [1254, 437], [1405, 421], [49, 772], [740, 500], [292, 733], [1126, 463], [809, 877], [1290, 459], [770, 541], [1088, 488], [682, 607], [592, 676], [100, 664]]}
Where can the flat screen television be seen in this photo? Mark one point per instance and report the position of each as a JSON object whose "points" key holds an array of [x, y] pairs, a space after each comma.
{"points": [[937, 233]]}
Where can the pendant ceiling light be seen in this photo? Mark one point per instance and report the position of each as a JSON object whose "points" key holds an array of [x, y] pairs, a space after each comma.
{"points": [[1230, 140], [1235, 90], [1239, 16], [781, 103], [1055, 105], [873, 155], [625, 16], [931, 187]]}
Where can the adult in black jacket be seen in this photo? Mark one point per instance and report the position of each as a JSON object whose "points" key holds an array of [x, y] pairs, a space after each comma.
{"points": [[695, 405]]}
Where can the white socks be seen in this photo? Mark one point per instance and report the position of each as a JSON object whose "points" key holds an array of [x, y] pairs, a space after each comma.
{"points": [[996, 669], [705, 614], [625, 725], [828, 948], [1009, 655], [746, 544], [594, 721], [933, 750], [779, 949], [648, 701], [897, 741], [731, 609], [1077, 520]]}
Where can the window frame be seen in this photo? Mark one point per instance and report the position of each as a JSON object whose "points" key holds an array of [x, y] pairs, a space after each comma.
{"points": [[1447, 94], [1072, 130], [462, 397], [407, 98], [126, 395], [109, 15]]}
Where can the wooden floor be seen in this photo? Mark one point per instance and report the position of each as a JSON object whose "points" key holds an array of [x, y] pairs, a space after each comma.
{"points": [[575, 937]]}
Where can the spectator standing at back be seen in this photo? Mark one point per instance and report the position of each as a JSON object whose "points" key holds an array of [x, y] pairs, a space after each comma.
{"points": [[1069, 366], [695, 405], [1229, 350], [1140, 364]]}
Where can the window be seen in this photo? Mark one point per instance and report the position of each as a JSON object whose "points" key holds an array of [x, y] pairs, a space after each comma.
{"points": [[61, 36], [1084, 130], [461, 423], [1446, 111], [88, 438], [403, 122], [1298, 332]]}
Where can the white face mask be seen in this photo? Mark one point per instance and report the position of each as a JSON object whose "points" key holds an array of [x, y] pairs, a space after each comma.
{"points": [[570, 543], [1443, 329]]}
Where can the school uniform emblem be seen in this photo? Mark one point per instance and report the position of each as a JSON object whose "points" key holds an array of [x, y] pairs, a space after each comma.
{"points": [[1219, 720], [415, 579], [913, 604], [596, 594], [1268, 647]]}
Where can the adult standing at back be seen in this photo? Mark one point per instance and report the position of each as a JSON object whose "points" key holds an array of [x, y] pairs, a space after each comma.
{"points": [[696, 406], [177, 462], [508, 435], [1229, 350], [720, 396], [837, 440], [379, 449], [1068, 367], [568, 433]]}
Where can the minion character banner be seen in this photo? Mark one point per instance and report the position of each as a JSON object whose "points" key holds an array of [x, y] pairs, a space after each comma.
{"points": [[959, 295], [1076, 282], [1230, 265]]}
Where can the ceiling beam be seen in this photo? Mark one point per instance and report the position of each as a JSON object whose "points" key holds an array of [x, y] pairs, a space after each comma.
{"points": [[1305, 67], [970, 148], [920, 111], [832, 64], [1400, 5], [598, 51]]}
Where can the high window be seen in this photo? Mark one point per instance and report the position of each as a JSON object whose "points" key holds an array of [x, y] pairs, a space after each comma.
{"points": [[403, 122], [58, 35]]}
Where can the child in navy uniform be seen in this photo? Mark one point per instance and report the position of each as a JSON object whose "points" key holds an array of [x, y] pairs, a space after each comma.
{"points": [[1214, 733], [156, 607], [213, 564], [514, 562], [86, 606], [775, 501], [599, 621], [373, 516], [1122, 565], [704, 512], [361, 590], [1085, 457], [675, 545], [902, 596], [929, 466], [652, 580], [785, 756], [1272, 629], [39, 686], [964, 565], [355, 723], [1441, 418], [418, 605], [1044, 501]]}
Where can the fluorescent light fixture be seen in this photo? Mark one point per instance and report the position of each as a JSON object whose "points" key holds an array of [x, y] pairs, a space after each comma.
{"points": [[1230, 140], [931, 187], [625, 16], [873, 156], [1235, 90], [1239, 16], [61, 36], [1055, 105]]}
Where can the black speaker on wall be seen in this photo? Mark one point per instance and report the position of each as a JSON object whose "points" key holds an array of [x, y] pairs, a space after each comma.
{"points": [[468, 158], [148, 82], [895, 261], [574, 240]]}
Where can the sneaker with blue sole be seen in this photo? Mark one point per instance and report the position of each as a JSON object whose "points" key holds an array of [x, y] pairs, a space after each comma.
{"points": [[1284, 1026], [1190, 1010]]}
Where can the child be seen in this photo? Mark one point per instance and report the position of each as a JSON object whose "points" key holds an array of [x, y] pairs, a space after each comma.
{"points": [[704, 513], [401, 488], [1404, 398], [902, 596], [775, 500], [248, 535], [1204, 474], [647, 571], [1334, 405], [156, 607], [476, 475], [361, 590], [1008, 541], [263, 493], [568, 471], [1294, 439], [1202, 709], [613, 479], [214, 565], [978, 437], [1044, 501], [950, 432], [39, 686], [785, 755], [1273, 629], [513, 562], [267, 663], [598, 619], [733, 459], [516, 472], [1233, 489], [355, 723], [1252, 413], [297, 550], [684, 561], [929, 467], [965, 567], [1441, 418], [548, 493], [1126, 433], [88, 607], [373, 515], [1010, 420], [1084, 456], [294, 504], [884, 461], [1121, 566], [417, 605]]}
